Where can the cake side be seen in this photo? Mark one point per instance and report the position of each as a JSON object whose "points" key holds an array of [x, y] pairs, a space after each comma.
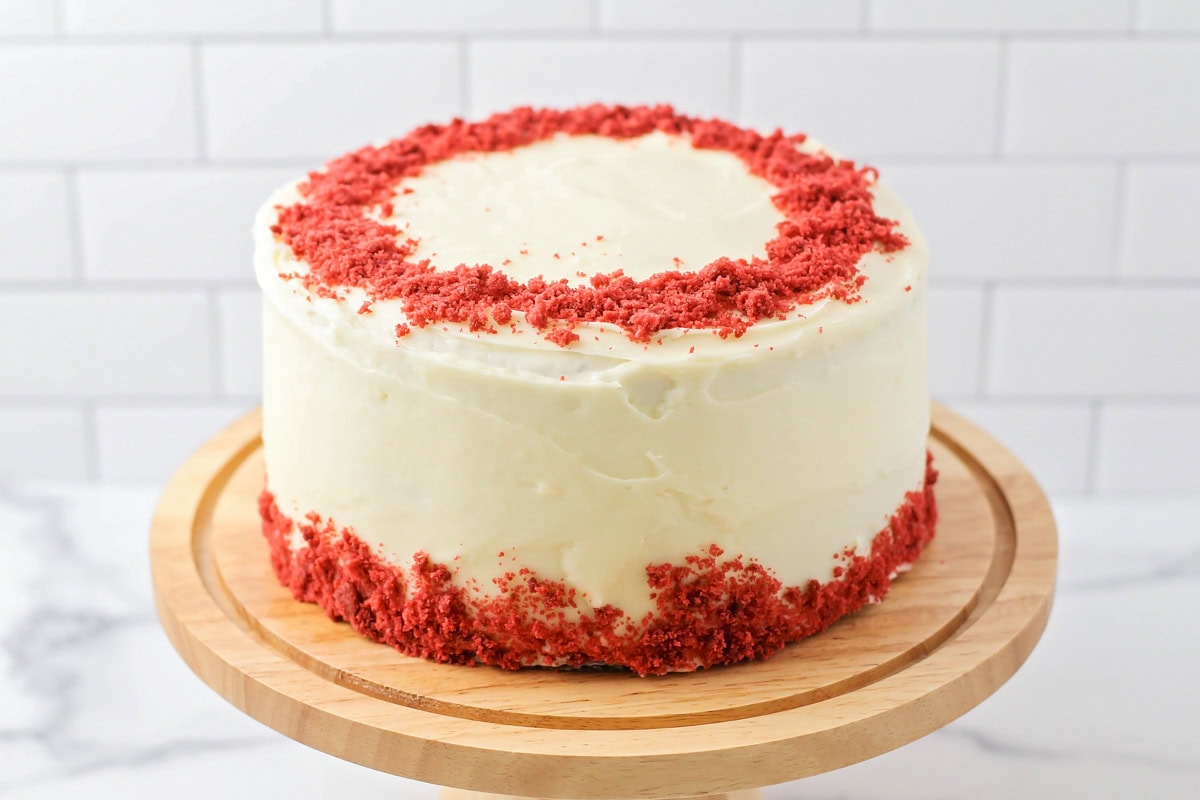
{"points": [[501, 458], [710, 609]]}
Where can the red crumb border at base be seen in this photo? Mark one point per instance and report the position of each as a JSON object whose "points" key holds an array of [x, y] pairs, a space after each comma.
{"points": [[710, 610]]}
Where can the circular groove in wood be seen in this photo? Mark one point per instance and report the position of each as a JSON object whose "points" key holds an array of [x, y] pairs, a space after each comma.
{"points": [[661, 754], [618, 701]]}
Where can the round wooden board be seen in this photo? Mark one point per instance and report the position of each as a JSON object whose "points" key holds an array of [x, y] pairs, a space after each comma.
{"points": [[951, 632]]}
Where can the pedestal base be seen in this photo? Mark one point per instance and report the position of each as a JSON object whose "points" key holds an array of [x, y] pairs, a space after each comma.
{"points": [[462, 794]]}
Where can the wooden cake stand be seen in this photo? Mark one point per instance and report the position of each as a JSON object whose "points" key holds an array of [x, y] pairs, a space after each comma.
{"points": [[953, 629]]}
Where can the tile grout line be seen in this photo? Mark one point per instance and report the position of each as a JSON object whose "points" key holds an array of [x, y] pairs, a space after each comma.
{"points": [[91, 438], [60, 19], [735, 77], [198, 105], [1001, 121], [1135, 12], [216, 341], [327, 18], [808, 36], [74, 227], [985, 340], [1117, 243], [1092, 478], [464, 76]]}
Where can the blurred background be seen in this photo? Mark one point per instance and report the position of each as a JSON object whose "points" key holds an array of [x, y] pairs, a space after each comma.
{"points": [[1050, 150]]}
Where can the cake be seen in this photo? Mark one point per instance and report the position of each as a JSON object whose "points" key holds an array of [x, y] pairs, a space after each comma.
{"points": [[601, 386]]}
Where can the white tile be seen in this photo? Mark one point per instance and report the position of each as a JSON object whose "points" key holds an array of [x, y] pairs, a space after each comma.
{"points": [[104, 343], [209, 16], [1168, 16], [1161, 204], [42, 443], [867, 99], [955, 340], [722, 16], [1149, 448], [692, 76], [1132, 342], [1103, 98], [141, 442], [318, 100], [1052, 439], [241, 342], [459, 16], [1012, 221], [35, 229], [96, 101], [162, 225], [20, 17], [999, 15]]}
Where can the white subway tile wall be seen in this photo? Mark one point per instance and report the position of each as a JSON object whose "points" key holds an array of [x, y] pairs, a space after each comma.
{"points": [[1054, 436], [1065, 215], [1050, 150], [956, 329], [314, 100], [1145, 447], [1115, 97], [92, 342], [1089, 341], [1025, 16], [71, 103], [153, 17], [44, 443], [695, 75], [141, 442], [460, 16], [172, 224], [1168, 16], [1162, 202], [875, 96], [240, 341], [723, 17], [26, 17], [35, 229]]}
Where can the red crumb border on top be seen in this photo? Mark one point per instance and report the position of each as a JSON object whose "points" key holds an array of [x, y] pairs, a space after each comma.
{"points": [[829, 225]]}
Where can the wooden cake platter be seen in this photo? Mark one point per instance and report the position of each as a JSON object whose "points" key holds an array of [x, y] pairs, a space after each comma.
{"points": [[953, 629]]}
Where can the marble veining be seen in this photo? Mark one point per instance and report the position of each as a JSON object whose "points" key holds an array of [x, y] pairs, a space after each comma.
{"points": [[95, 703]]}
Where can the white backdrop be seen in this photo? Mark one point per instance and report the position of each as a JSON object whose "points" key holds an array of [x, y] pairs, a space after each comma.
{"points": [[1051, 151]]}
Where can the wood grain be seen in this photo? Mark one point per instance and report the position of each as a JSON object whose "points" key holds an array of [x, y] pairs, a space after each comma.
{"points": [[951, 632]]}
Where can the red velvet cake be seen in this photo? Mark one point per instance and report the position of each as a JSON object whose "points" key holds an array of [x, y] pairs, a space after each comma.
{"points": [[607, 385]]}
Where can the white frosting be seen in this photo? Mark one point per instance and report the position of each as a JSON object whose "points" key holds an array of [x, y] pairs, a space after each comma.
{"points": [[589, 462], [526, 206]]}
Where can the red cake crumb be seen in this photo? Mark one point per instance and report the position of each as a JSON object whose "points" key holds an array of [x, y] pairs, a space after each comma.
{"points": [[710, 610], [829, 225]]}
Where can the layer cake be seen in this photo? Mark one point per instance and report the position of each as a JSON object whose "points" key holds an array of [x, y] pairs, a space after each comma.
{"points": [[599, 386]]}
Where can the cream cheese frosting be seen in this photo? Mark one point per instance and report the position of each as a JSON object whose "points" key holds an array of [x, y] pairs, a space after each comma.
{"points": [[787, 445], [547, 209]]}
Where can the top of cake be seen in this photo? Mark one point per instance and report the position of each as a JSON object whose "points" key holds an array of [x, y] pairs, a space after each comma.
{"points": [[580, 227]]}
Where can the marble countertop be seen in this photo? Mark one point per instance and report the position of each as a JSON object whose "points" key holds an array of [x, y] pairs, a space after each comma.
{"points": [[94, 702]]}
